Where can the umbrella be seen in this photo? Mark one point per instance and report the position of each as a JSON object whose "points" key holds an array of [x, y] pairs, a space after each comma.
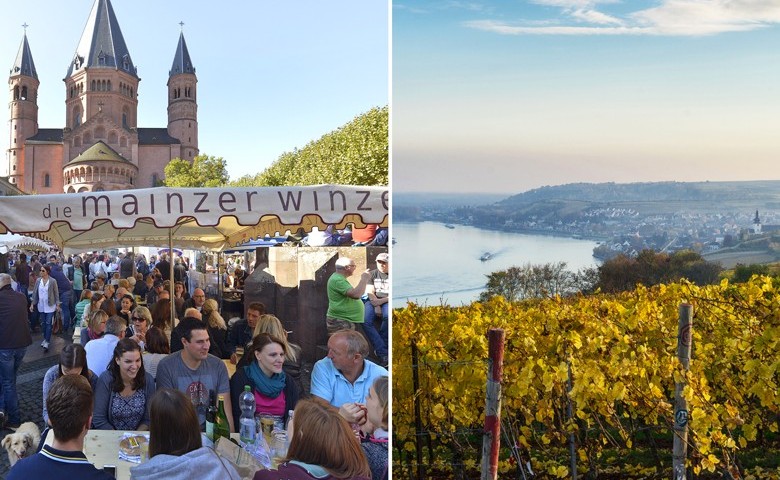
{"points": [[166, 250], [16, 242], [201, 218]]}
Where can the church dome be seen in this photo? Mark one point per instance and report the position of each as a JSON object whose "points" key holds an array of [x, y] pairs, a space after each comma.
{"points": [[99, 168]]}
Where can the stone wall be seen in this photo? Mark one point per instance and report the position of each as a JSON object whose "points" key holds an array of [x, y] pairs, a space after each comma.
{"points": [[292, 283]]}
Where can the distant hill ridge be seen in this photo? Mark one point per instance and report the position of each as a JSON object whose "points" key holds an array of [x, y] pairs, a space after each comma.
{"points": [[764, 191]]}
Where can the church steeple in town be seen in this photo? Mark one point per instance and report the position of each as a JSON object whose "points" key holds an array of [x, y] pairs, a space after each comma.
{"points": [[182, 63], [102, 79], [24, 64], [23, 105], [182, 100], [102, 44]]}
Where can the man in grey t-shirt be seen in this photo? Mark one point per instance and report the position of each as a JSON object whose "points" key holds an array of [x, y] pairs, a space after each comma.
{"points": [[193, 371]]}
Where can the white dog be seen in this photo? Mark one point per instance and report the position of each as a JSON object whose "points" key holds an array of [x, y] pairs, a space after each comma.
{"points": [[22, 443]]}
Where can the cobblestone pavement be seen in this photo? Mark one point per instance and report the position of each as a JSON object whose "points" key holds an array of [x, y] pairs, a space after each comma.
{"points": [[29, 385]]}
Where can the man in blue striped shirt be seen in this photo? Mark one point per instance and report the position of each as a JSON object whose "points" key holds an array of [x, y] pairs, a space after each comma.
{"points": [[70, 415]]}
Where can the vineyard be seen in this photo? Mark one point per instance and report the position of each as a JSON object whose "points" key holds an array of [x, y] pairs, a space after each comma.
{"points": [[621, 351]]}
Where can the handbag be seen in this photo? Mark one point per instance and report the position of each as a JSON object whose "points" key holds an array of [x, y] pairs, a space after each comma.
{"points": [[56, 323]]}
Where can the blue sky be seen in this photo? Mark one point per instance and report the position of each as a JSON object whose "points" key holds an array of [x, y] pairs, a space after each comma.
{"points": [[508, 96], [272, 76]]}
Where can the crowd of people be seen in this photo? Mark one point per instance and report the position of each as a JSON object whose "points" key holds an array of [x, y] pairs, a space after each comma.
{"points": [[138, 367]]}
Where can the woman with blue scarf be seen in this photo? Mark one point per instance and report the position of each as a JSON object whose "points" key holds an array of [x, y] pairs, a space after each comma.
{"points": [[275, 392]]}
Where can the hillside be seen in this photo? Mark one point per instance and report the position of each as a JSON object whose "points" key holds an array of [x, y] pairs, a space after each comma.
{"points": [[654, 197]]}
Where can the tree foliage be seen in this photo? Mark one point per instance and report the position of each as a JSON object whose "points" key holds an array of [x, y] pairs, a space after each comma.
{"points": [[204, 171], [537, 281], [742, 272], [624, 273], [354, 154]]}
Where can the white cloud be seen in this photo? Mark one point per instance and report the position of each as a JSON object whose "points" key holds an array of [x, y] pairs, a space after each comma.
{"points": [[669, 18], [594, 16], [410, 9], [473, 6], [573, 4], [506, 29]]}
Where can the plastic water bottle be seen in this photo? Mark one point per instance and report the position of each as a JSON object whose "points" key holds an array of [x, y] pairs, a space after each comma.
{"points": [[247, 430]]}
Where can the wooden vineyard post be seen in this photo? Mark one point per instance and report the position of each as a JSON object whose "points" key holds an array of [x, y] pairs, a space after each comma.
{"points": [[492, 436], [421, 473], [684, 342]]}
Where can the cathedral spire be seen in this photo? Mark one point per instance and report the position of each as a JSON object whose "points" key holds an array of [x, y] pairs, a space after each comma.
{"points": [[181, 60], [102, 44], [24, 65]]}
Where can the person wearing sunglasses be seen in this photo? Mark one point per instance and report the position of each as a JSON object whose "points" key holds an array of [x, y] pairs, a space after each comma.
{"points": [[140, 320]]}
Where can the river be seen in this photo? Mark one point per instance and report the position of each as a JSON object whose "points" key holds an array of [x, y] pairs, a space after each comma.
{"points": [[434, 265]]}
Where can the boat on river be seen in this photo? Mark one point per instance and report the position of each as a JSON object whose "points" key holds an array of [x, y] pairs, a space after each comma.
{"points": [[486, 256]]}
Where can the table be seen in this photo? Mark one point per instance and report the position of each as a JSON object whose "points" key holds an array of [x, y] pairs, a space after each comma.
{"points": [[102, 448]]}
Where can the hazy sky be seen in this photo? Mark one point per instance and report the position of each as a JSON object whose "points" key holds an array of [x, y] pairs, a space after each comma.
{"points": [[272, 76], [508, 96]]}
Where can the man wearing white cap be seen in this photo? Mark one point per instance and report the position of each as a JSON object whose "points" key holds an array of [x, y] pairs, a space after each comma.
{"points": [[376, 305], [345, 309]]}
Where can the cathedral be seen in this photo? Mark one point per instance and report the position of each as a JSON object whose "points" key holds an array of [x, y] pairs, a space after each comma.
{"points": [[101, 147]]}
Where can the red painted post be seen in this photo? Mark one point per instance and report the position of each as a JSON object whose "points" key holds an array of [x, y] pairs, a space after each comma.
{"points": [[492, 436]]}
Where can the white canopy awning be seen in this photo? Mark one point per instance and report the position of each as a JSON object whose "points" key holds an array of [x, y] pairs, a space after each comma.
{"points": [[18, 242], [200, 218]]}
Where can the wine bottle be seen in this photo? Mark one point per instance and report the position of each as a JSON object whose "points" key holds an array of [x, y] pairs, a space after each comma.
{"points": [[211, 415], [221, 426]]}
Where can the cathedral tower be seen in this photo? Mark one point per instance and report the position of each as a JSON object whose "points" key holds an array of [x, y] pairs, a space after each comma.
{"points": [[101, 81], [23, 89], [182, 101]]}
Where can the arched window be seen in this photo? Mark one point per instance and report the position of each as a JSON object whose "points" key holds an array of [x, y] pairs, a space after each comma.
{"points": [[46, 180], [16, 92], [109, 85], [112, 137], [93, 86], [24, 92], [76, 116], [100, 132], [87, 138]]}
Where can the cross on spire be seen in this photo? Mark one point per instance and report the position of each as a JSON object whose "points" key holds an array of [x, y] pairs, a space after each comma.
{"points": [[181, 24], [24, 25]]}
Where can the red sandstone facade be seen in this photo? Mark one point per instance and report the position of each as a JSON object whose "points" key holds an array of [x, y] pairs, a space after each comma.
{"points": [[101, 147]]}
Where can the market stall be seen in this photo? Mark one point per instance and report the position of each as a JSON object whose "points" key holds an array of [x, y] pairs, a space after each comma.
{"points": [[201, 218]]}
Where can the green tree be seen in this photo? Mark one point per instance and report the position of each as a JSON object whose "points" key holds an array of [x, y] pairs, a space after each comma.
{"points": [[204, 171], [354, 154], [537, 281], [623, 273], [742, 272]]}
